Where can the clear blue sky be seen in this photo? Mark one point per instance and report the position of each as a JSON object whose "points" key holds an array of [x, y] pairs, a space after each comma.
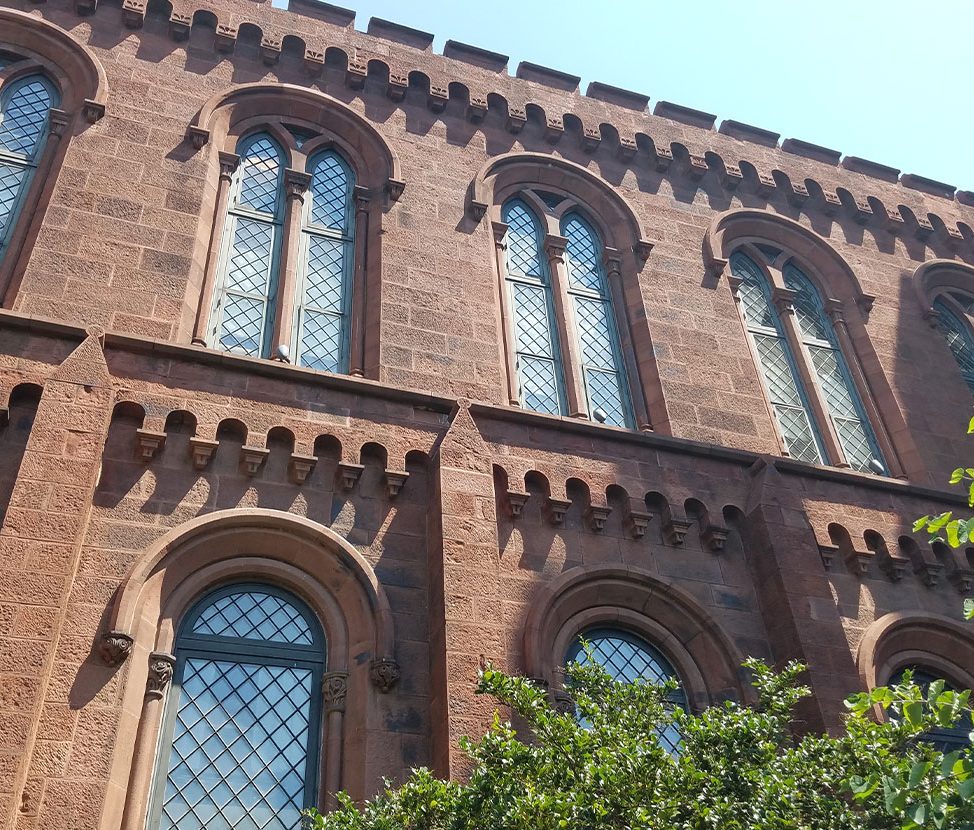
{"points": [[887, 80]]}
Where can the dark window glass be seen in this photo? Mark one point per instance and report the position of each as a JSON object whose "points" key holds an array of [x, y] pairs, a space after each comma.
{"points": [[946, 740]]}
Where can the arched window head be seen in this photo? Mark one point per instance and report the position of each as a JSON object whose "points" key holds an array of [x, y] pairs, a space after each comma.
{"points": [[953, 324], [554, 350], [537, 353], [240, 735], [945, 739], [805, 374], [322, 321], [25, 106], [244, 305], [628, 658]]}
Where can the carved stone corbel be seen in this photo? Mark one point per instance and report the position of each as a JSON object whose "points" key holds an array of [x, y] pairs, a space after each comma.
{"points": [[349, 474], [355, 73], [148, 444], [516, 500], [784, 299], [395, 481], [198, 137], [299, 467], [202, 450], [114, 648], [253, 458], [161, 666], [384, 673], [92, 111], [597, 517], [715, 537], [557, 508], [675, 530], [395, 189]]}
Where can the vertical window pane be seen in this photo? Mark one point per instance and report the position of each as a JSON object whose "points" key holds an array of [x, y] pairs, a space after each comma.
{"points": [[244, 303], [11, 180], [24, 116], [955, 331], [322, 318], [789, 401], [599, 349], [842, 400], [240, 734], [538, 362]]}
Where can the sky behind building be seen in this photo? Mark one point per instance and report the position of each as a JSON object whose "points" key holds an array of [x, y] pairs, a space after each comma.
{"points": [[886, 80]]}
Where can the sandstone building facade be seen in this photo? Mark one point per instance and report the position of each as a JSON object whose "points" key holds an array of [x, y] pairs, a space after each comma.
{"points": [[330, 364]]}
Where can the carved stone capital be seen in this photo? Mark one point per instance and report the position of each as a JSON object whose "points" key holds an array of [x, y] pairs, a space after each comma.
{"points": [[228, 164], [696, 167], [296, 184], [798, 194], [555, 246], [516, 500], [675, 530], [356, 73], [783, 299], [835, 310], [198, 137], [557, 508], [638, 521], [500, 233], [161, 665], [179, 25], [395, 189], [562, 702], [597, 517], [92, 111], [59, 122], [225, 38], [664, 158], [252, 458], [516, 119], [732, 177], [477, 210], [832, 202], [397, 86], [626, 151], [612, 262], [476, 109], [114, 647], [715, 537], [735, 282], [270, 50], [642, 248], [362, 197], [334, 688], [314, 62], [865, 303], [385, 673]]}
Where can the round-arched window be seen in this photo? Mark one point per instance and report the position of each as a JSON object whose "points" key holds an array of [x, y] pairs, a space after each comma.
{"points": [[240, 736], [944, 739], [628, 658]]}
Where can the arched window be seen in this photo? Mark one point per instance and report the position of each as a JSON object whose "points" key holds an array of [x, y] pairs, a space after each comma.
{"points": [[627, 657], [25, 106], [568, 358], [598, 339], [240, 736], [784, 387], [817, 407], [326, 265], [537, 354], [946, 739], [245, 303], [954, 326]]}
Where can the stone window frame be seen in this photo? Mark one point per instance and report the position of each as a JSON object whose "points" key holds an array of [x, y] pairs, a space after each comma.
{"points": [[81, 85], [703, 655], [849, 305], [232, 116], [773, 272], [253, 545], [941, 280], [625, 251]]}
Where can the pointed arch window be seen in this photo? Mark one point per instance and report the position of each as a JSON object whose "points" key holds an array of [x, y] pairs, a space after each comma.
{"points": [[537, 354], [956, 330], [241, 729], [817, 407], [243, 312], [25, 106], [326, 265], [565, 340]]}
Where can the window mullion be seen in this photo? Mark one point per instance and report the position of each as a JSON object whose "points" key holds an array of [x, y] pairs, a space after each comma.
{"points": [[288, 291], [566, 327]]}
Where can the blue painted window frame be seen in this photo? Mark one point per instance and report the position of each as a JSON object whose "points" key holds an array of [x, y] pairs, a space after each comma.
{"points": [[956, 330]]}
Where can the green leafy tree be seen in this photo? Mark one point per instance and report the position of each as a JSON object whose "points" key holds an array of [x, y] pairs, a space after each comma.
{"points": [[738, 767]]}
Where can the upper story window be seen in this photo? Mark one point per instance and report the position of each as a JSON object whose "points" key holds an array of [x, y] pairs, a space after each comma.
{"points": [[285, 270], [945, 739], [25, 106], [240, 736], [817, 406], [953, 319], [628, 658], [565, 338]]}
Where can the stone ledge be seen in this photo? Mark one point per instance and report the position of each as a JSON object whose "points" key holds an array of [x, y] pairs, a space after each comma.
{"points": [[745, 132], [398, 33], [685, 115], [615, 95], [484, 58], [925, 185], [528, 71], [871, 168], [816, 152], [326, 12]]}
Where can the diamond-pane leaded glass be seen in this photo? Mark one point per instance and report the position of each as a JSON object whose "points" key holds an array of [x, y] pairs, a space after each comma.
{"points": [[776, 361], [583, 255], [944, 739], [524, 254], [323, 311], [240, 735], [828, 363], [254, 615], [955, 331], [11, 179], [532, 323], [260, 176], [329, 192], [605, 386], [539, 385], [629, 658], [23, 116]]}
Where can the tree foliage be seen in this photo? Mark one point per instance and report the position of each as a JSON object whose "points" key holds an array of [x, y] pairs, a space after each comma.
{"points": [[738, 767]]}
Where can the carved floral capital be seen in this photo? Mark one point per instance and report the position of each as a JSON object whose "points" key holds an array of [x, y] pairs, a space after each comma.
{"points": [[114, 648], [385, 673], [334, 688], [161, 665]]}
